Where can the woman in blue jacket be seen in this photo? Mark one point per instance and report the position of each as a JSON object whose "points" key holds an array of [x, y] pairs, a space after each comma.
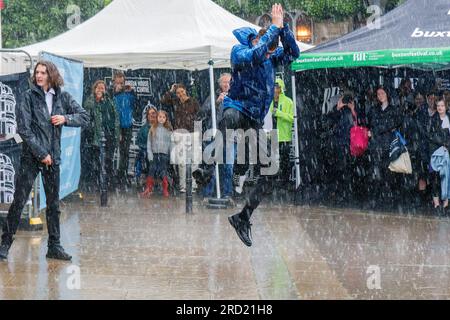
{"points": [[439, 137]]}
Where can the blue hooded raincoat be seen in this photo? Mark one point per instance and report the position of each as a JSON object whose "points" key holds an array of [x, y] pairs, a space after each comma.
{"points": [[253, 74]]}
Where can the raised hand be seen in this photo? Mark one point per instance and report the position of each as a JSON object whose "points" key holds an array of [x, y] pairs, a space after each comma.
{"points": [[277, 15]]}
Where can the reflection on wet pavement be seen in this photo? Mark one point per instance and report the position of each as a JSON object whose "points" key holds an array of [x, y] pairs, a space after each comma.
{"points": [[150, 249]]}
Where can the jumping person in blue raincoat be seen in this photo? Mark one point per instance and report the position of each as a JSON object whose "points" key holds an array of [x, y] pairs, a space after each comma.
{"points": [[253, 62]]}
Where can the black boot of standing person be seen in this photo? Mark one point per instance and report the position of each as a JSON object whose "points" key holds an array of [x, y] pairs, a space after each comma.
{"points": [[40, 117]]}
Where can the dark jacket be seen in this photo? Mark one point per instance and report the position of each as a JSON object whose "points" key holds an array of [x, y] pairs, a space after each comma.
{"points": [[103, 118], [416, 125], [382, 124], [438, 137], [184, 114], [342, 122], [141, 139], [40, 137], [253, 75]]}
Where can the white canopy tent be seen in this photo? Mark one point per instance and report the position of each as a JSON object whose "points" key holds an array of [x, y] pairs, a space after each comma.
{"points": [[153, 34]]}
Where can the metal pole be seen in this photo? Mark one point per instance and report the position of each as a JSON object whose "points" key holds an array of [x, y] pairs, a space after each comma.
{"points": [[188, 184], [35, 212], [214, 120], [297, 148], [103, 173]]}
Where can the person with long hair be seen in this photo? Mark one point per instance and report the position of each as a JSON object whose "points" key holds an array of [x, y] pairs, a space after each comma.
{"points": [[44, 110], [158, 152], [439, 137], [104, 122], [142, 163], [383, 120], [184, 110]]}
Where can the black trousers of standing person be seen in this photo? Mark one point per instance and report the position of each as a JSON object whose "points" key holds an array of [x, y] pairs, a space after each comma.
{"points": [[285, 163], [29, 169], [435, 184], [386, 186], [234, 120], [124, 150], [342, 175], [109, 165]]}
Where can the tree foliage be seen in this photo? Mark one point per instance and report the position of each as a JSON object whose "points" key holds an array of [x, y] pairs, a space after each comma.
{"points": [[316, 9], [25, 22]]}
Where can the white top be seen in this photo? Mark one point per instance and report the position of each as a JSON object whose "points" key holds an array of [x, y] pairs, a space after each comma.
{"points": [[446, 123], [49, 99]]}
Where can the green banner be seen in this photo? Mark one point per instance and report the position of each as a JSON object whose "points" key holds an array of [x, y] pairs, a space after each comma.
{"points": [[436, 58]]}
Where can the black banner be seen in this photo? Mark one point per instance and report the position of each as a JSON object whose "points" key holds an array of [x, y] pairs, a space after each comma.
{"points": [[12, 88]]}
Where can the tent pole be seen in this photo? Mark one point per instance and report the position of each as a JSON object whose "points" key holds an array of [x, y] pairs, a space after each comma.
{"points": [[296, 141], [381, 80], [213, 118]]}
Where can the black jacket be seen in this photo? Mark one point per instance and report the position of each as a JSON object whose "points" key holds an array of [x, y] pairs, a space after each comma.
{"points": [[438, 137], [342, 122], [40, 137], [416, 126], [382, 125]]}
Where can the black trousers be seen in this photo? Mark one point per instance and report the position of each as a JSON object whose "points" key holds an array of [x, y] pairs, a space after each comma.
{"points": [[29, 169], [435, 184], [109, 163], [285, 163], [124, 149], [234, 120]]}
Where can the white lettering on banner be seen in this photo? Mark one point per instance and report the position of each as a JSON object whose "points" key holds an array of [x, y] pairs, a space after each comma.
{"points": [[429, 34], [66, 186], [8, 124], [69, 151], [140, 86], [7, 179], [359, 56], [328, 101], [69, 133]]}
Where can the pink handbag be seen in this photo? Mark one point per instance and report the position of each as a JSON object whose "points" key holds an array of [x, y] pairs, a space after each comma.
{"points": [[359, 139]]}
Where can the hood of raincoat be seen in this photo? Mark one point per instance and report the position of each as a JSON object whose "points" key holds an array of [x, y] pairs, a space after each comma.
{"points": [[245, 35], [281, 84]]}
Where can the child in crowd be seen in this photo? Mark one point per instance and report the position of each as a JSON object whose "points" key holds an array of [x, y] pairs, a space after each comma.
{"points": [[158, 152]]}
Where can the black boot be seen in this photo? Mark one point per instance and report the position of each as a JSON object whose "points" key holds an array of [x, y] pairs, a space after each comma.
{"points": [[4, 249], [57, 252], [241, 223]]}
